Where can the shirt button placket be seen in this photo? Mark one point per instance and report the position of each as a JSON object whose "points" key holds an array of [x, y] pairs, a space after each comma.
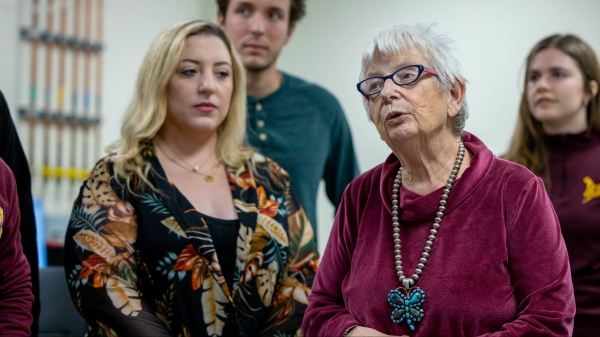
{"points": [[260, 123]]}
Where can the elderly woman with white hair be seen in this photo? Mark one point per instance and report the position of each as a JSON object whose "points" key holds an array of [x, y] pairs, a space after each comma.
{"points": [[443, 238]]}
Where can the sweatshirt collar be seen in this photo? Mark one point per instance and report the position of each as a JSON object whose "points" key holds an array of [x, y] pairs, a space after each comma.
{"points": [[580, 140], [415, 207]]}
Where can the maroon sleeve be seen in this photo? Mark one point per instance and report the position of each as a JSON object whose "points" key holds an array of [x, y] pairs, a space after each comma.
{"points": [[539, 267], [326, 314], [16, 298]]}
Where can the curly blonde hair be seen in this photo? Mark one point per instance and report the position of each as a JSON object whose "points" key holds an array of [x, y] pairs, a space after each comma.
{"points": [[147, 110]]}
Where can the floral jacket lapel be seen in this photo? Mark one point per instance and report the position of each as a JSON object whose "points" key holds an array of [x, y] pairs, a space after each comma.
{"points": [[243, 189], [245, 198], [170, 196]]}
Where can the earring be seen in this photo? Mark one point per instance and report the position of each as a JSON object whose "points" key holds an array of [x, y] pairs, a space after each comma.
{"points": [[585, 102]]}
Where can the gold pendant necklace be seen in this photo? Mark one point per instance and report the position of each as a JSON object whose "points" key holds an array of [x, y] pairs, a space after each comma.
{"points": [[209, 178]]}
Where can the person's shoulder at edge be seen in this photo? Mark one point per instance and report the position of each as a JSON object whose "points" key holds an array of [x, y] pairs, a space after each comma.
{"points": [[108, 159], [512, 171], [4, 111], [5, 174], [512, 180], [103, 166], [258, 160], [501, 170]]}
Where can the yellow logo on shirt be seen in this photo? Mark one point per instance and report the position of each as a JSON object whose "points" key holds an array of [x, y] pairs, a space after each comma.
{"points": [[592, 190], [1, 220]]}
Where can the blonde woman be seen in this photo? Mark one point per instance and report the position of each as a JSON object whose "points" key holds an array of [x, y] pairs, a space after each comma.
{"points": [[182, 230]]}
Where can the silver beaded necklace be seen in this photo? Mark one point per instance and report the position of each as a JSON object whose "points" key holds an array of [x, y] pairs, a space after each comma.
{"points": [[407, 305]]}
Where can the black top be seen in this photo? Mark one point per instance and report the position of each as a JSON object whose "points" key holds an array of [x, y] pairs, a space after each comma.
{"points": [[224, 234]]}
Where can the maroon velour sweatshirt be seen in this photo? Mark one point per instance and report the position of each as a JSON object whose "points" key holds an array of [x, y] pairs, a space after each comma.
{"points": [[575, 193], [498, 266], [16, 298]]}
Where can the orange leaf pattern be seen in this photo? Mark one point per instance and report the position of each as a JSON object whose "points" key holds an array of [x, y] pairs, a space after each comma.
{"points": [[266, 206], [123, 259], [190, 260], [121, 212]]}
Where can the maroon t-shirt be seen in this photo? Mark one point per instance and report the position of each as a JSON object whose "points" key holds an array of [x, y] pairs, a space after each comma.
{"points": [[498, 267], [575, 193], [16, 298]]}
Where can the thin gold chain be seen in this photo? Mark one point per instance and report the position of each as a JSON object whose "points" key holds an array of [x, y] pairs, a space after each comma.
{"points": [[193, 167], [208, 177]]}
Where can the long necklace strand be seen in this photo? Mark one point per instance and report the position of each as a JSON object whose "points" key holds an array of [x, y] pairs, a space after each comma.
{"points": [[408, 306], [207, 177]]}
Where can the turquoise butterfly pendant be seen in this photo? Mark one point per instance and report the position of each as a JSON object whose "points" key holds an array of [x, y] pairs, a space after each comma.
{"points": [[407, 307]]}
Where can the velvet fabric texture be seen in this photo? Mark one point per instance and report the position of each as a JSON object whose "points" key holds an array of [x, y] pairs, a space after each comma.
{"points": [[16, 298], [13, 155], [574, 164], [498, 267]]}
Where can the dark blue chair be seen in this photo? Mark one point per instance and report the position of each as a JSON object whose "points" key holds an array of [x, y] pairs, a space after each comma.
{"points": [[58, 317]]}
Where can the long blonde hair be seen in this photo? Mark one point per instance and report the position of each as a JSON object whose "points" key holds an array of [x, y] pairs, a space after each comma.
{"points": [[527, 146], [148, 108]]}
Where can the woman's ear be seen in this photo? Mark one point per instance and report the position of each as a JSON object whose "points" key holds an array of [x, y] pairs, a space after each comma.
{"points": [[593, 89], [457, 95], [221, 19]]}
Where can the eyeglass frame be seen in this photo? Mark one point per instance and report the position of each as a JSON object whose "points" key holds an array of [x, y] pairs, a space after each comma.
{"points": [[422, 69]]}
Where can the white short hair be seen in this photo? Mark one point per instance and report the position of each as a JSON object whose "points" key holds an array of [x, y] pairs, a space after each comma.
{"points": [[436, 48]]}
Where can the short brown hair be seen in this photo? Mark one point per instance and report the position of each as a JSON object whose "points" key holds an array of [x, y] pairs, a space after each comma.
{"points": [[297, 10]]}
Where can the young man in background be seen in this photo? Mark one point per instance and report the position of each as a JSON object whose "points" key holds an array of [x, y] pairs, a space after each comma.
{"points": [[298, 124]]}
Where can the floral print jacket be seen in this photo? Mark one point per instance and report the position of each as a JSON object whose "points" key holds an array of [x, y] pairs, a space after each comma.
{"points": [[145, 264]]}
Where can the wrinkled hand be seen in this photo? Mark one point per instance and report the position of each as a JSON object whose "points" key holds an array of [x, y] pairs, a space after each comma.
{"points": [[361, 331]]}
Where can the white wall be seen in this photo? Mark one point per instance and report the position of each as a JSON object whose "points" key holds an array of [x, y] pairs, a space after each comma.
{"points": [[9, 52], [492, 39]]}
